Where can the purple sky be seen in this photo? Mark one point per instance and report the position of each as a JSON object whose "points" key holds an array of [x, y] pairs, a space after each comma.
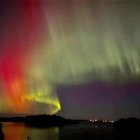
{"points": [[100, 100]]}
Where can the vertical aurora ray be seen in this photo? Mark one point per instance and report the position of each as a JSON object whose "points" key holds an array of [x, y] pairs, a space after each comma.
{"points": [[22, 41], [87, 43]]}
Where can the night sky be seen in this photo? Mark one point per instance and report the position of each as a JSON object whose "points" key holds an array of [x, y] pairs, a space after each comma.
{"points": [[80, 59]]}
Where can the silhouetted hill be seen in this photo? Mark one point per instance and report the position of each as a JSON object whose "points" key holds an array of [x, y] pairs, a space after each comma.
{"points": [[40, 120], [47, 120], [128, 127], [1, 132]]}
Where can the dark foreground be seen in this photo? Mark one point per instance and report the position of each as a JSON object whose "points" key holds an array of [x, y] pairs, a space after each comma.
{"points": [[83, 130]]}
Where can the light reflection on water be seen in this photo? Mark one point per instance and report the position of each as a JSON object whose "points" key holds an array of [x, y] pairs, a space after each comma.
{"points": [[82, 131], [13, 131]]}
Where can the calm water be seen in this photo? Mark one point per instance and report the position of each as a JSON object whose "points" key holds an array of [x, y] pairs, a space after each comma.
{"points": [[83, 131], [16, 131]]}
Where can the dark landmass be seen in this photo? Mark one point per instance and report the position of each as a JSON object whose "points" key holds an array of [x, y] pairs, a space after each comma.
{"points": [[129, 127], [40, 120]]}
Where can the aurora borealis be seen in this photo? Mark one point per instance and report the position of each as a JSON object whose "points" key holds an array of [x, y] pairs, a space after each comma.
{"points": [[81, 56], [18, 42]]}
